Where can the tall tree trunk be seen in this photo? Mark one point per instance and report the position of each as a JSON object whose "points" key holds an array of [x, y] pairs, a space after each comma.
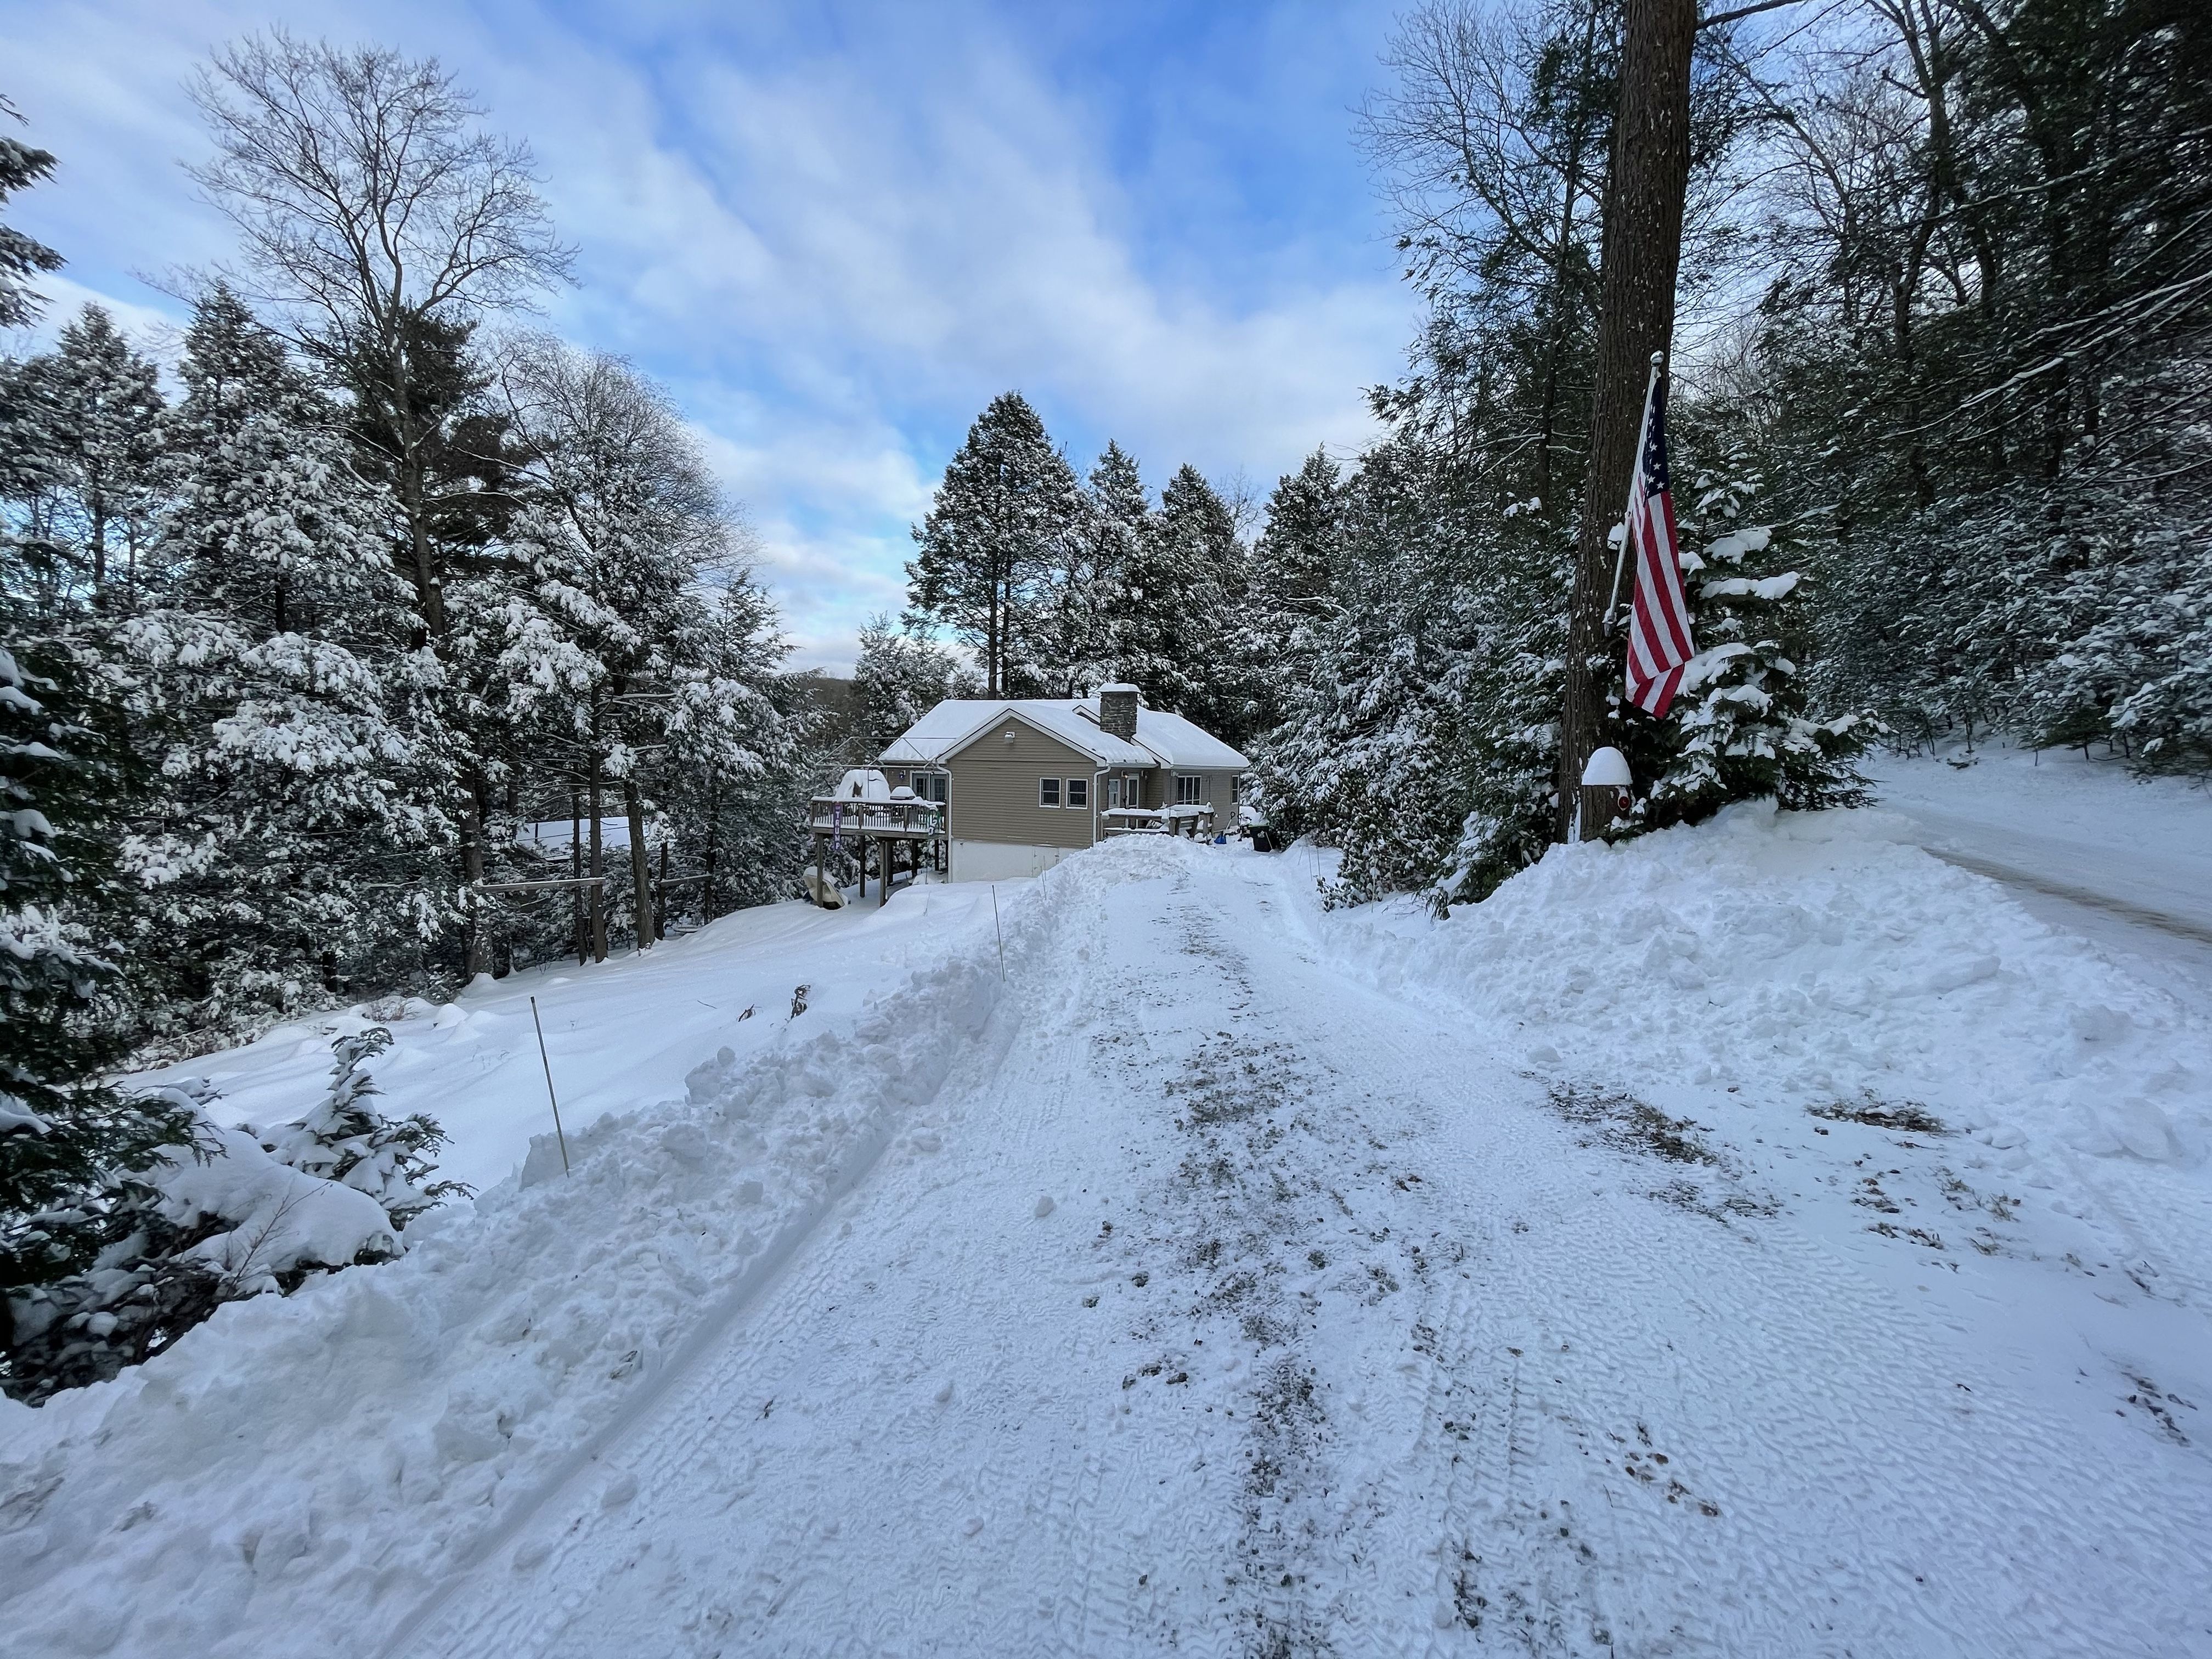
{"points": [[474, 954], [640, 864], [598, 857], [707, 911], [576, 872], [1643, 254]]}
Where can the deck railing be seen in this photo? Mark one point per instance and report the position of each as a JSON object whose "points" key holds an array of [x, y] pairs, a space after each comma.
{"points": [[1194, 821], [830, 815]]}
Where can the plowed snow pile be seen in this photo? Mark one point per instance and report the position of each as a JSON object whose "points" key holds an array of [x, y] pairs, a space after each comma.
{"points": [[309, 1455], [1820, 956]]}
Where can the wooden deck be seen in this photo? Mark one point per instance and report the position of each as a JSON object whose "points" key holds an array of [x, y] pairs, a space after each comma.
{"points": [[918, 825]]}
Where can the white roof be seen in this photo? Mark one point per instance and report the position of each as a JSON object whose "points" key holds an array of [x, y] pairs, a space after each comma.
{"points": [[1177, 741], [1163, 739]]}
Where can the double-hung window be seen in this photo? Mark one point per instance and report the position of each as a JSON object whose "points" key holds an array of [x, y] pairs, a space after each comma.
{"points": [[1078, 792], [1048, 791], [1190, 792]]}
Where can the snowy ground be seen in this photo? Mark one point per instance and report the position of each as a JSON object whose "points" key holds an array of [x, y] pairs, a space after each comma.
{"points": [[1764, 1239], [2125, 863], [617, 1033]]}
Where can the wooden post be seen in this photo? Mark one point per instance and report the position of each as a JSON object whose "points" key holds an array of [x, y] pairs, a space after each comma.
{"points": [[1642, 254]]}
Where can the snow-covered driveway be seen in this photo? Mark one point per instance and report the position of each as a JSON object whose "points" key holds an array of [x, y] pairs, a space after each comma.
{"points": [[1757, 1240], [1337, 1336]]}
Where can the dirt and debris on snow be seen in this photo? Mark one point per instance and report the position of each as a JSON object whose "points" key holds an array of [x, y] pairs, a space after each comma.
{"points": [[1758, 1239]]}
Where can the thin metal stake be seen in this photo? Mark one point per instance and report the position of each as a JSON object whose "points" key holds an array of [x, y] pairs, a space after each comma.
{"points": [[558, 1132], [999, 931]]}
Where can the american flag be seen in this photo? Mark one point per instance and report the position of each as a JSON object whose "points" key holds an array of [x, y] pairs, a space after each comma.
{"points": [[1659, 623]]}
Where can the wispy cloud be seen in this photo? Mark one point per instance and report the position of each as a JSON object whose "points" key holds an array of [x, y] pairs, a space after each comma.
{"points": [[837, 232]]}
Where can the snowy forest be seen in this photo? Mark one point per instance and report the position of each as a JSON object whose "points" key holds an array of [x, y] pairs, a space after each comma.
{"points": [[323, 646], [1939, 377]]}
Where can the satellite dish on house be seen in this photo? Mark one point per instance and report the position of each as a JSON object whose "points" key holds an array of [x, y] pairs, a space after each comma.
{"points": [[1607, 768]]}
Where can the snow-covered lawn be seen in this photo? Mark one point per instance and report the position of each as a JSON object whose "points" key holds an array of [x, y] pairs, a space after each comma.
{"points": [[617, 1034], [1762, 1239]]}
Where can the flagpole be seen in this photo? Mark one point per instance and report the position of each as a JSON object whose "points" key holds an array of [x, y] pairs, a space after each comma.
{"points": [[1643, 431]]}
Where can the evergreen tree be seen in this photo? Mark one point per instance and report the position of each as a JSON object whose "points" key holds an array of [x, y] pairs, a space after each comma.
{"points": [[97, 412], [1174, 604], [1741, 726], [998, 527], [288, 857], [347, 1140], [1299, 553], [899, 677], [74, 1151], [21, 257]]}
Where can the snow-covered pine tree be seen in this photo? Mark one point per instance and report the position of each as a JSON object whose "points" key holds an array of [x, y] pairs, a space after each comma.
{"points": [[1274, 635], [899, 677], [347, 1140], [21, 256], [99, 419], [1300, 549], [74, 1151], [292, 855], [1422, 740], [1741, 726], [1174, 604], [995, 533], [1118, 528]]}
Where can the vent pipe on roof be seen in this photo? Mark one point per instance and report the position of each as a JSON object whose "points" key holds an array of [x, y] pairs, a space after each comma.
{"points": [[1117, 711]]}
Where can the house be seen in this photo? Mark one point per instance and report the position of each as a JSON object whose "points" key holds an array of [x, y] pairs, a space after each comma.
{"points": [[1026, 780]]}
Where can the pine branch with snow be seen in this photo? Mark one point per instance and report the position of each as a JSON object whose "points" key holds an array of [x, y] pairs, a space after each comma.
{"points": [[346, 1140]]}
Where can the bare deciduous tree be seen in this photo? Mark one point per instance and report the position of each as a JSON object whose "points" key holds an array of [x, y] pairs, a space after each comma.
{"points": [[379, 218]]}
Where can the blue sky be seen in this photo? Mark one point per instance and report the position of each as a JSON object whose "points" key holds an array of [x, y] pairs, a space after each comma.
{"points": [[835, 230]]}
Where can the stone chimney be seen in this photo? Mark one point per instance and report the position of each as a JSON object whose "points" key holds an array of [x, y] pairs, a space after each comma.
{"points": [[1117, 711]]}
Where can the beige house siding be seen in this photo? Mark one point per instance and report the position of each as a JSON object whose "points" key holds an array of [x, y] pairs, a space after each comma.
{"points": [[994, 789], [1217, 789]]}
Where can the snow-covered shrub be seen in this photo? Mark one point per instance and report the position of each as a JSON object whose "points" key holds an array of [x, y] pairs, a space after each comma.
{"points": [[219, 1216], [346, 1140]]}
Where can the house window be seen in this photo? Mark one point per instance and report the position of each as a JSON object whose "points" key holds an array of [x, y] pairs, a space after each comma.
{"points": [[1078, 792], [1048, 791], [1190, 792], [929, 785]]}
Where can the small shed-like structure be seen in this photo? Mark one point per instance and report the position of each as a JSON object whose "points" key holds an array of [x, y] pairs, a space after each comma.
{"points": [[1025, 782]]}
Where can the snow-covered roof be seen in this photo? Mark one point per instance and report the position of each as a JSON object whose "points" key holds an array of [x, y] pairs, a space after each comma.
{"points": [[1163, 739], [957, 721], [1176, 741]]}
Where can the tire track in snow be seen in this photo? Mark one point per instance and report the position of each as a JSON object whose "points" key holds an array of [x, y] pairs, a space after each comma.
{"points": [[1659, 1349]]}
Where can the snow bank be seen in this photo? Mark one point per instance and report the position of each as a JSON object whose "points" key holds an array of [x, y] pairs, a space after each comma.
{"points": [[319, 1463], [1817, 955]]}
